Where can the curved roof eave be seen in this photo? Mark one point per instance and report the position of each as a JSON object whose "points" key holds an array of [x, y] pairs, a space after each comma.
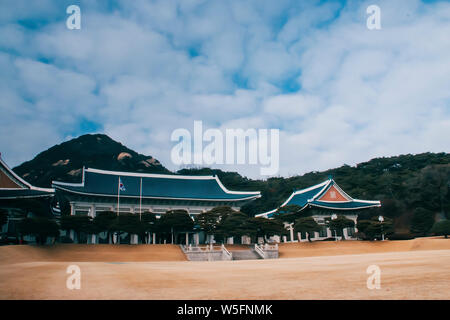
{"points": [[323, 187], [166, 198], [343, 208], [22, 181]]}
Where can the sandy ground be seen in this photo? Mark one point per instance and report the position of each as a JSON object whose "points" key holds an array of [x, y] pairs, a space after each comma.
{"points": [[91, 253], [332, 248], [416, 269]]}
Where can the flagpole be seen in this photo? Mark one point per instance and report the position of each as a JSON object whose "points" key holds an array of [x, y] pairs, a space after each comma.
{"points": [[140, 203], [118, 195]]}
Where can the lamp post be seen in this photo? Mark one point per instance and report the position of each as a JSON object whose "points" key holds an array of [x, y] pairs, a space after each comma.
{"points": [[334, 217], [291, 231], [381, 219]]}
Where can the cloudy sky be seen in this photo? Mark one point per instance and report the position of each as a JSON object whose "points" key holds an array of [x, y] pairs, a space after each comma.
{"points": [[137, 70]]}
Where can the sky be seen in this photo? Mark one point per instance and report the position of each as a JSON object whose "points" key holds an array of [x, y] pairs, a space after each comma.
{"points": [[338, 92]]}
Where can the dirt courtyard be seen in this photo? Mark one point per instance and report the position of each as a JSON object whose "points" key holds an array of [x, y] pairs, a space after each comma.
{"points": [[416, 269]]}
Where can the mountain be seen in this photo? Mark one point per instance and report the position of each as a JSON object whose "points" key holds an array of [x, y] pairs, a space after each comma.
{"points": [[64, 162], [414, 189], [403, 183]]}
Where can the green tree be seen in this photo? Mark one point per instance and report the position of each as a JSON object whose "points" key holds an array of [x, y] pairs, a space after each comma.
{"points": [[267, 227], [306, 224], [78, 224], [3, 217], [40, 228], [147, 225], [372, 228], [174, 222], [209, 221], [126, 223], [235, 225], [441, 228], [104, 222], [391, 208], [339, 224], [422, 221], [288, 213]]}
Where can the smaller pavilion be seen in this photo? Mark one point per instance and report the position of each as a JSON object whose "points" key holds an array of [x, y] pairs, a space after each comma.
{"points": [[20, 199], [328, 199]]}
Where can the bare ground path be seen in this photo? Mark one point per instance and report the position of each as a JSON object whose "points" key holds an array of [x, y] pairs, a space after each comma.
{"points": [[419, 272]]}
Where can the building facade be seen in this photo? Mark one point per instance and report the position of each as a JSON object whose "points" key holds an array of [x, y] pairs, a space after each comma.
{"points": [[126, 192], [327, 199], [19, 199]]}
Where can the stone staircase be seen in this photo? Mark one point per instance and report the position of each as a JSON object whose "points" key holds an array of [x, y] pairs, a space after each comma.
{"points": [[245, 255], [220, 252], [206, 253]]}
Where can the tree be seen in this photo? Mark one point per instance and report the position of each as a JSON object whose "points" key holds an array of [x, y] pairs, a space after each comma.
{"points": [[441, 228], [175, 221], [340, 223], [126, 223], [209, 221], [235, 225], [3, 217], [147, 225], [288, 213], [76, 223], [40, 228], [372, 228], [390, 208], [306, 224], [267, 227], [103, 221], [422, 221]]}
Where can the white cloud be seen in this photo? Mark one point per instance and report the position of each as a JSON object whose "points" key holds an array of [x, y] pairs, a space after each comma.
{"points": [[142, 69], [293, 105]]}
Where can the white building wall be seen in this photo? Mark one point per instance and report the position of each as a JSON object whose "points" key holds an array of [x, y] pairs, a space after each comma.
{"points": [[92, 208]]}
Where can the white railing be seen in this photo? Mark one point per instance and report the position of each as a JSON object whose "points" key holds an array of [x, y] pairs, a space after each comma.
{"points": [[271, 247], [228, 255], [260, 251], [206, 248]]}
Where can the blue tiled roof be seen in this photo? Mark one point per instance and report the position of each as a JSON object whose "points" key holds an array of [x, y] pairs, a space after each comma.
{"points": [[23, 190], [105, 183], [354, 204], [309, 197], [23, 193], [301, 199]]}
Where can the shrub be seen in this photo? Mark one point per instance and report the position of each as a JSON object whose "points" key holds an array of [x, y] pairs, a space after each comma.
{"points": [[422, 221], [401, 236], [441, 228], [65, 239]]}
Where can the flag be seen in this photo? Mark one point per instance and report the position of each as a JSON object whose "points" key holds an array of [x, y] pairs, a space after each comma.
{"points": [[121, 186]]}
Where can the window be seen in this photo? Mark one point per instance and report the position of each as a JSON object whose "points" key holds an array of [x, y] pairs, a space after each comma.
{"points": [[323, 231], [79, 212], [350, 232]]}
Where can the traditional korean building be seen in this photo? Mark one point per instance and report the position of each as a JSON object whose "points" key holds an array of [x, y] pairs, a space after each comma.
{"points": [[327, 198], [126, 192], [20, 199]]}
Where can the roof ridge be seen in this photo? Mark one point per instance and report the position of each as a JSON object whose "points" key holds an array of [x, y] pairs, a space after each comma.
{"points": [[149, 175], [23, 181]]}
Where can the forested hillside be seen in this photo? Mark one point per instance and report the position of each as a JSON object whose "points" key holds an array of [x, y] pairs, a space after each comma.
{"points": [[413, 189]]}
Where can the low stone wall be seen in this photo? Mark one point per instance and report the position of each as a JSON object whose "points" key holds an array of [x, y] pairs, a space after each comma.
{"points": [[270, 251], [271, 254], [217, 253], [205, 255], [208, 253]]}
